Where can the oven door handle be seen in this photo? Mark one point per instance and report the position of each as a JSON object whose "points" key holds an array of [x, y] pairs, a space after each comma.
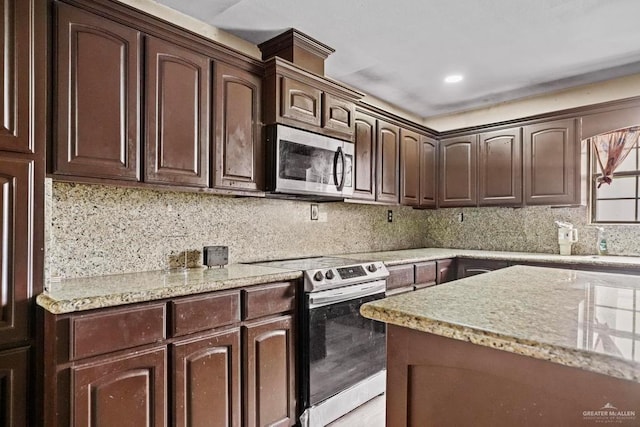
{"points": [[346, 293]]}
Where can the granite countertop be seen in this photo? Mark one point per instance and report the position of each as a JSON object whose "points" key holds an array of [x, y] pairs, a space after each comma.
{"points": [[87, 293], [406, 256], [580, 319]]}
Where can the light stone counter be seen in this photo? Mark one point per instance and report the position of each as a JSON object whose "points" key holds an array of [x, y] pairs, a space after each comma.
{"points": [[87, 293], [575, 318], [406, 256]]}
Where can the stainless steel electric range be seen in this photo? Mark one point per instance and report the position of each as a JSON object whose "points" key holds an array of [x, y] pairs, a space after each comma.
{"points": [[343, 355]]}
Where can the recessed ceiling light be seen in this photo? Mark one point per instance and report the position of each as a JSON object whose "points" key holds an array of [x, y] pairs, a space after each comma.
{"points": [[453, 78]]}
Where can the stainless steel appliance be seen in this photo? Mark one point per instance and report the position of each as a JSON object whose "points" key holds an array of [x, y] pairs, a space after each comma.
{"points": [[343, 355], [305, 163]]}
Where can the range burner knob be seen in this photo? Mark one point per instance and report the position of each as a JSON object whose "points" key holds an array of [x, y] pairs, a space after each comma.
{"points": [[318, 276], [372, 268], [329, 274]]}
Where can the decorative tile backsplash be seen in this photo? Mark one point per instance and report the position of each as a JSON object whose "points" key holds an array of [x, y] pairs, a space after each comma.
{"points": [[529, 229], [96, 230]]}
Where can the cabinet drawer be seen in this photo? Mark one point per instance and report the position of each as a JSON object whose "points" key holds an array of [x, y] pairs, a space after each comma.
{"points": [[110, 331], [265, 300], [400, 276], [200, 313], [426, 272], [446, 269]]}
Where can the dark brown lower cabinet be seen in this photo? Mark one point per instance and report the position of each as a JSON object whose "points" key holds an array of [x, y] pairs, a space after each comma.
{"points": [[269, 389], [121, 391], [445, 270], [206, 380], [471, 267], [14, 387]]}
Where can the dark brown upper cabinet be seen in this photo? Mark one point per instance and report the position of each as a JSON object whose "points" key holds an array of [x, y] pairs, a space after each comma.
{"points": [[98, 96], [16, 234], [338, 114], [428, 172], [365, 157], [458, 165], [15, 63], [300, 102], [238, 144], [177, 90], [409, 168], [388, 162], [500, 168], [295, 97], [551, 163]]}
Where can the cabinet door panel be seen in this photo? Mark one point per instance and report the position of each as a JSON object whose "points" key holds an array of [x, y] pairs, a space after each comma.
{"points": [[500, 168], [98, 78], [551, 164], [458, 160], [13, 387], [388, 162], [16, 235], [338, 115], [207, 380], [428, 172], [270, 373], [177, 134], [130, 391], [300, 102], [15, 37], [409, 168], [365, 157], [238, 144]]}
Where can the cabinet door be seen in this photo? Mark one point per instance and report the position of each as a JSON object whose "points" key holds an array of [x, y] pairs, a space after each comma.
{"points": [[98, 96], [16, 235], [238, 137], [551, 163], [15, 63], [338, 115], [300, 102], [128, 391], [446, 270], [387, 176], [177, 126], [500, 168], [365, 157], [428, 172], [458, 161], [269, 367], [13, 387], [207, 380], [409, 168], [472, 267]]}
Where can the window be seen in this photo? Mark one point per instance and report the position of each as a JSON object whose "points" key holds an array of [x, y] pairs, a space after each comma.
{"points": [[618, 202]]}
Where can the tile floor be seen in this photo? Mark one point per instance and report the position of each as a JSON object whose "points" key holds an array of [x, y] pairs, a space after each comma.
{"points": [[371, 414]]}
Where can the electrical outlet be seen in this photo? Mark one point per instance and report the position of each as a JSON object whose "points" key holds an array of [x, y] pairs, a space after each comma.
{"points": [[389, 215], [460, 217], [315, 213]]}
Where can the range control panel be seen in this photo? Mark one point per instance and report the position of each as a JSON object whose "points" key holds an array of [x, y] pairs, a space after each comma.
{"points": [[328, 278]]}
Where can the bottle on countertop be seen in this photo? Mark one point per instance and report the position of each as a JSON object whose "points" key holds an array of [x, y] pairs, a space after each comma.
{"points": [[602, 242]]}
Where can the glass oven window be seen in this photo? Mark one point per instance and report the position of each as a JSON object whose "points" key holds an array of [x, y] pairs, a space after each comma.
{"points": [[344, 347]]}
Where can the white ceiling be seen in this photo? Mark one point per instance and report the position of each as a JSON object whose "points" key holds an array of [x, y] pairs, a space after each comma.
{"points": [[400, 51]]}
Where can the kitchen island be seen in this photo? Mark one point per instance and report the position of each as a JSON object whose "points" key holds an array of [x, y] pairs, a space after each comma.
{"points": [[518, 346]]}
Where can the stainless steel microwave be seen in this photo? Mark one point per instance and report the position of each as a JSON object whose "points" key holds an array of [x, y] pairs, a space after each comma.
{"points": [[304, 163]]}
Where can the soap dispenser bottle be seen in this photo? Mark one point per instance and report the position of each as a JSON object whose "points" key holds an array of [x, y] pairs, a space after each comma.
{"points": [[602, 242]]}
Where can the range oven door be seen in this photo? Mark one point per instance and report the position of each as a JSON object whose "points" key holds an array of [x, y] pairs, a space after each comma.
{"points": [[306, 163], [341, 348]]}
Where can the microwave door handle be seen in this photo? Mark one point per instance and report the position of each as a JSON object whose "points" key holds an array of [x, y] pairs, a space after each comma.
{"points": [[340, 154]]}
